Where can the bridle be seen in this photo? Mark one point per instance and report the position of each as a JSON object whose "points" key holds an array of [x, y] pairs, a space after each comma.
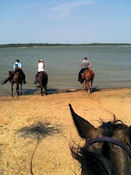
{"points": [[108, 140]]}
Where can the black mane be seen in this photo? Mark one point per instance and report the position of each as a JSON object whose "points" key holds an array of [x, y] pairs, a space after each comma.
{"points": [[110, 126], [91, 162]]}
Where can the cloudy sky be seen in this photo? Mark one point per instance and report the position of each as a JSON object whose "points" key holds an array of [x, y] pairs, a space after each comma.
{"points": [[65, 21]]}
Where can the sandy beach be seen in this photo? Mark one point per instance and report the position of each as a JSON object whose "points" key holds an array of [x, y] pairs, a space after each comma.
{"points": [[35, 131]]}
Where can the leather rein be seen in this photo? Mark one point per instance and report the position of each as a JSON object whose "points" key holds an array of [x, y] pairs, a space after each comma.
{"points": [[108, 140]]}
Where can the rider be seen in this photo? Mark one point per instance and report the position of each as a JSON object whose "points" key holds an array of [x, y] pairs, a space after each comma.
{"points": [[40, 68], [18, 68], [85, 64]]}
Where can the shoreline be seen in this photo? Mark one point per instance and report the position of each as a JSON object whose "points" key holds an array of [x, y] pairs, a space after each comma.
{"points": [[59, 91]]}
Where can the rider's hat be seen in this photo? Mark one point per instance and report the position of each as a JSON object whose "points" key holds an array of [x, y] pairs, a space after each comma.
{"points": [[41, 60]]}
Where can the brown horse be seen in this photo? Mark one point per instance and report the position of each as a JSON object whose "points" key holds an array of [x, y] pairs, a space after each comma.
{"points": [[15, 77], [87, 77], [107, 150], [42, 79]]}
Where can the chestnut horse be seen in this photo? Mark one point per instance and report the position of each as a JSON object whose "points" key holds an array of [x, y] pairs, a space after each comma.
{"points": [[42, 79], [87, 77], [17, 79], [107, 150]]}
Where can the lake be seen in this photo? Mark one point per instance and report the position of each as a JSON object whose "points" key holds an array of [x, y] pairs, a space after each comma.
{"points": [[111, 64]]}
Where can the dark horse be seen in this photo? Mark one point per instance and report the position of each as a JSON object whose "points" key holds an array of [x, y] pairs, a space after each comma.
{"points": [[17, 78], [87, 77], [42, 79], [107, 150]]}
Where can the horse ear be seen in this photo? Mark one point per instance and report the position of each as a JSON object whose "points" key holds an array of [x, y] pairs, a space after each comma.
{"points": [[82, 125], [129, 135]]}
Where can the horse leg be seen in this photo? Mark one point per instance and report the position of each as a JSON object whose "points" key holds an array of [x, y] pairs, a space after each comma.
{"points": [[83, 85], [88, 87], [21, 88], [41, 87], [12, 89], [45, 87], [17, 89], [91, 86]]}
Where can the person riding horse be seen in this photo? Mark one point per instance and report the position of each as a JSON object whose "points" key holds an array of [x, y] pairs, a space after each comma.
{"points": [[18, 68], [40, 68], [85, 64]]}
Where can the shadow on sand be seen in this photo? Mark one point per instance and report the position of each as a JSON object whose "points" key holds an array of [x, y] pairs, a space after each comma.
{"points": [[37, 91], [53, 91], [95, 89]]}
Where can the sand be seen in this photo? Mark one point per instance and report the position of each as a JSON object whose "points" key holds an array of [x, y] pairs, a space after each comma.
{"points": [[24, 153]]}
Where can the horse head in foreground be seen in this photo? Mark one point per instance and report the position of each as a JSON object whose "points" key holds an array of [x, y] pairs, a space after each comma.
{"points": [[107, 149], [42, 79], [88, 77], [15, 78]]}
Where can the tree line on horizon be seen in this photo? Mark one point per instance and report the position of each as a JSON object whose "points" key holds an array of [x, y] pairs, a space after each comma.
{"points": [[56, 44]]}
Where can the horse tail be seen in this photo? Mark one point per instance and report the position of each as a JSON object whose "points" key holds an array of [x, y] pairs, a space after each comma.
{"points": [[11, 74], [6, 80]]}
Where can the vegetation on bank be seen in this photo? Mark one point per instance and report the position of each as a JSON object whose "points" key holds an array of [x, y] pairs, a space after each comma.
{"points": [[58, 44]]}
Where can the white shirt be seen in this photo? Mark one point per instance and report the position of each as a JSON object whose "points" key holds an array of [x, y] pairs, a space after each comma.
{"points": [[41, 66], [17, 65]]}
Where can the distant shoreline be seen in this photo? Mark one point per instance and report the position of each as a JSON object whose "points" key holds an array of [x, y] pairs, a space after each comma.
{"points": [[60, 91], [60, 44]]}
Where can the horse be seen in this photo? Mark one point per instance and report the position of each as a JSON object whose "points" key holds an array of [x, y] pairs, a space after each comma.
{"points": [[87, 77], [15, 77], [107, 149], [42, 79]]}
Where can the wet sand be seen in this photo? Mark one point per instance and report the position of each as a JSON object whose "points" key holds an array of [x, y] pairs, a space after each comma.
{"points": [[26, 151]]}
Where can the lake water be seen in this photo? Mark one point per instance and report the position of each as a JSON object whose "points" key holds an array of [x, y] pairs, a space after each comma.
{"points": [[111, 64]]}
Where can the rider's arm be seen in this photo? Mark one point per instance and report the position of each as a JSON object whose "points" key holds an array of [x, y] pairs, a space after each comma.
{"points": [[81, 65], [89, 66], [37, 66], [44, 65], [20, 66]]}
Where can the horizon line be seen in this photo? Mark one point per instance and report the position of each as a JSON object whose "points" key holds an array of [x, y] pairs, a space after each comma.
{"points": [[33, 43]]}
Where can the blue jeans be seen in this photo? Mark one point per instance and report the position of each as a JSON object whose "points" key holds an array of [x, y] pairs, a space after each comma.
{"points": [[35, 80]]}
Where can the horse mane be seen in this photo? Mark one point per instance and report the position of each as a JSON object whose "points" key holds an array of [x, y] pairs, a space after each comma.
{"points": [[110, 126], [91, 162]]}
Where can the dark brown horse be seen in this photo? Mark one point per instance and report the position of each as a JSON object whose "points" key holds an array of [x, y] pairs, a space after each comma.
{"points": [[107, 150], [42, 79], [15, 78], [87, 77]]}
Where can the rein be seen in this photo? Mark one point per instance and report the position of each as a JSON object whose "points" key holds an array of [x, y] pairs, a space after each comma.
{"points": [[109, 140]]}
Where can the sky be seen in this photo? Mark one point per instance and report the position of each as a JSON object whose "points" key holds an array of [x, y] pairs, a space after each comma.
{"points": [[65, 21]]}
